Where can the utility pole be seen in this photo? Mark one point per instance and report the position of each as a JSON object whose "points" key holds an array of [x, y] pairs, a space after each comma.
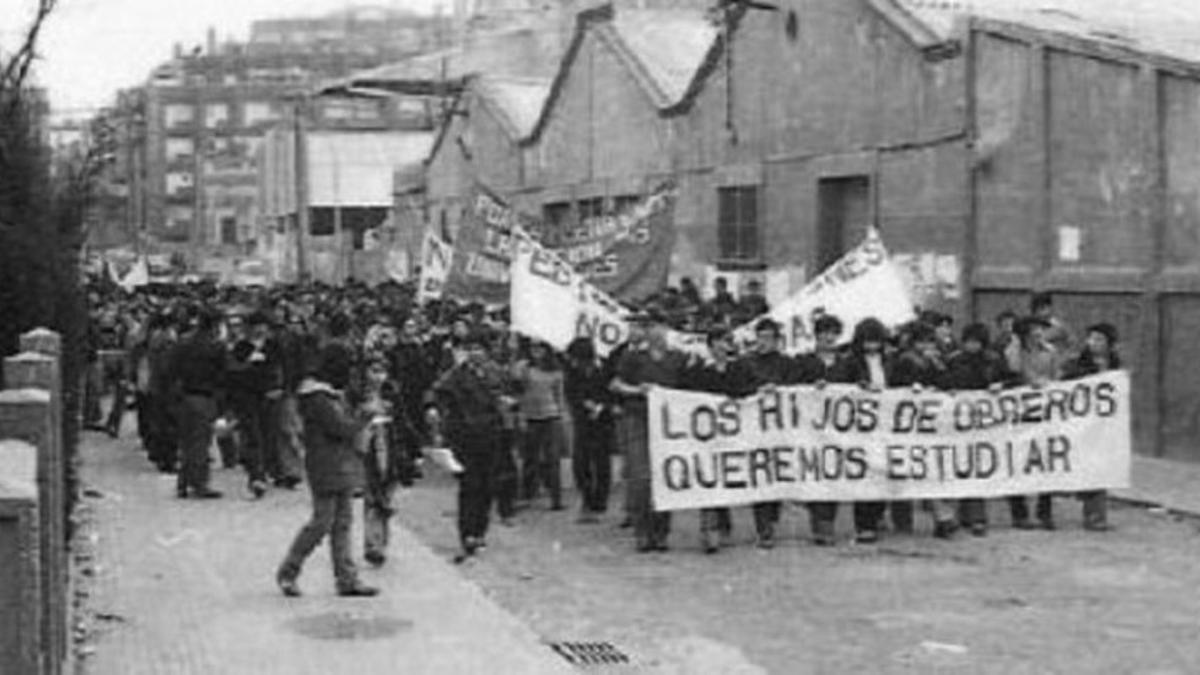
{"points": [[300, 174]]}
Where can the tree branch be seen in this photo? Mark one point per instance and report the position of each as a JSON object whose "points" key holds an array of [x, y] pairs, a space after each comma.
{"points": [[17, 69]]}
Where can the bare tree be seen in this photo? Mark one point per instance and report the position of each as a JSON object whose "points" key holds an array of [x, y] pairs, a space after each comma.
{"points": [[16, 69]]}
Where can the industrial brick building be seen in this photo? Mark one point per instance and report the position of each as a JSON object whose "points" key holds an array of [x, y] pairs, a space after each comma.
{"points": [[1003, 147]]}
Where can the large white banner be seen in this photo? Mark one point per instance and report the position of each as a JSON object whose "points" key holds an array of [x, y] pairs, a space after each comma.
{"points": [[843, 443], [863, 283], [550, 301], [435, 266]]}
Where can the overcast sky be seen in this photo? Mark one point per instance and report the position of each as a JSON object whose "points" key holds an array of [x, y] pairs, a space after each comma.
{"points": [[92, 48]]}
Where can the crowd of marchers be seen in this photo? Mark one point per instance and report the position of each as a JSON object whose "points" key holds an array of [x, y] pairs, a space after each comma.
{"points": [[342, 388]]}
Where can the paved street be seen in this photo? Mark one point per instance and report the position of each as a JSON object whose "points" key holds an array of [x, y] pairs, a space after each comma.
{"points": [[1015, 602], [185, 587]]}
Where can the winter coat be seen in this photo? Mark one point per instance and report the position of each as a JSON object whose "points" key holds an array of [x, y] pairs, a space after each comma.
{"points": [[331, 455], [968, 371]]}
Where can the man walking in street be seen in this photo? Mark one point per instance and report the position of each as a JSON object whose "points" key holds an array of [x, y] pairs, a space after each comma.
{"points": [[335, 471], [467, 404], [198, 368]]}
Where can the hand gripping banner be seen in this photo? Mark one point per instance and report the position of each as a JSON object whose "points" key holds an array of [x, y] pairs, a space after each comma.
{"points": [[843, 443]]}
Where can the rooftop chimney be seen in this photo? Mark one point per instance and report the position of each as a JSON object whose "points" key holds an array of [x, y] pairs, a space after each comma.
{"points": [[212, 42]]}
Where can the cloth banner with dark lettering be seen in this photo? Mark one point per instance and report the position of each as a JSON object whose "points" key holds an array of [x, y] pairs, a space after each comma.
{"points": [[483, 248], [436, 257], [863, 283], [552, 302], [625, 254], [843, 443]]}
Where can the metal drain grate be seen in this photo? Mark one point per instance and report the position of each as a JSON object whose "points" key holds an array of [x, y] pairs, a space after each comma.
{"points": [[590, 653]]}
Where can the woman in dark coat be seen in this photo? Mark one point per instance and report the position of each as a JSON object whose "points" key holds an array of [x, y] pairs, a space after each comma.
{"points": [[591, 414], [870, 366], [975, 368], [1099, 355], [335, 471]]}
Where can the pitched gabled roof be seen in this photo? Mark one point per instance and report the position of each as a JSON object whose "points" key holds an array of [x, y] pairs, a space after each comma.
{"points": [[664, 50], [516, 102], [1169, 28], [668, 45]]}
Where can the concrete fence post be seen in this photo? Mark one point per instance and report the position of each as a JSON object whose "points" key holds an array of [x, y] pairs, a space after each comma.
{"points": [[22, 651], [46, 373], [26, 415]]}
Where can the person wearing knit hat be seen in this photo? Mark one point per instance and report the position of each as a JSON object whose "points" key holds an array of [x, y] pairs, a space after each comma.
{"points": [[1099, 355], [976, 367]]}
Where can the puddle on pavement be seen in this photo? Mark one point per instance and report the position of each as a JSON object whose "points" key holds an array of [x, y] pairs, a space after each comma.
{"points": [[349, 626]]}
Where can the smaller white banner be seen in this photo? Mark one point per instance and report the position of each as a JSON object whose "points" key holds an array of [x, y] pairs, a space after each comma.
{"points": [[864, 283], [435, 266]]}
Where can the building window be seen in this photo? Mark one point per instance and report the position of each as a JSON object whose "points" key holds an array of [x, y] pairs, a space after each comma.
{"points": [[216, 115], [179, 149], [555, 218], [623, 203], [177, 115], [178, 181], [591, 208], [737, 225], [229, 230], [321, 222], [257, 112]]}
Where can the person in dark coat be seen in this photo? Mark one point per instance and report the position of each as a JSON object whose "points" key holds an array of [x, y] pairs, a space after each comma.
{"points": [[255, 379], [870, 366], [768, 366], [725, 376], [466, 405], [197, 377], [335, 472], [975, 367], [921, 366], [637, 372], [591, 406], [1099, 355], [819, 367]]}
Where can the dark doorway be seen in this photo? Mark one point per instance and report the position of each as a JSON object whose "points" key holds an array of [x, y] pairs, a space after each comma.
{"points": [[843, 216]]}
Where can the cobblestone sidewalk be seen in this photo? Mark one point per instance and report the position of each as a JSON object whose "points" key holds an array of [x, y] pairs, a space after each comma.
{"points": [[187, 587]]}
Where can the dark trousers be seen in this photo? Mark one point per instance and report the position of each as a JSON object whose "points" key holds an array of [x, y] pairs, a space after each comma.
{"points": [[650, 527], [158, 431], [717, 519], [821, 516], [92, 376], [507, 478], [332, 515], [477, 450], [592, 465], [766, 516], [115, 380], [868, 514], [253, 422], [1095, 508], [1020, 509], [972, 512], [383, 477], [541, 459], [271, 436], [196, 416]]}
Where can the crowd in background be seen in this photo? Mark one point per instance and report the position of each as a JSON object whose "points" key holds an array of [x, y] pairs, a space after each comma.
{"points": [[342, 388]]}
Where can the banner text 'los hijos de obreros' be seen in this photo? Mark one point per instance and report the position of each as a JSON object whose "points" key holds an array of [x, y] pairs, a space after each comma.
{"points": [[844, 443]]}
